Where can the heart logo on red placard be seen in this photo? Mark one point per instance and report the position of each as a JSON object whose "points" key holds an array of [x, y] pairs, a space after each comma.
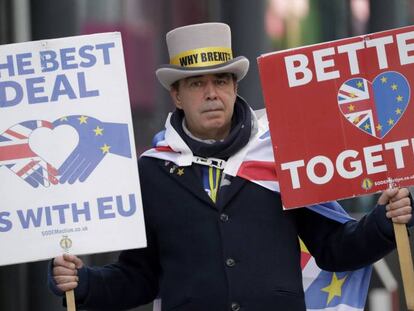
{"points": [[376, 107]]}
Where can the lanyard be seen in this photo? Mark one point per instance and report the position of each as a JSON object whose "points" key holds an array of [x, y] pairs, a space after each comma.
{"points": [[212, 174], [214, 186]]}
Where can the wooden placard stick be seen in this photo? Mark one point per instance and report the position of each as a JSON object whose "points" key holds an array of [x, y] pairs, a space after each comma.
{"points": [[70, 300], [66, 244], [406, 263]]}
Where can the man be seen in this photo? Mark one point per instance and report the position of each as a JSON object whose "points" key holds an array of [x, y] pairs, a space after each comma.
{"points": [[215, 241]]}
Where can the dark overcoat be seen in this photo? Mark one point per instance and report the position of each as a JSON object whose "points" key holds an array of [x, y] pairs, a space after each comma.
{"points": [[239, 254]]}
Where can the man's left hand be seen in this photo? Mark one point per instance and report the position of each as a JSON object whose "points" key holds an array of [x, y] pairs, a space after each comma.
{"points": [[398, 204]]}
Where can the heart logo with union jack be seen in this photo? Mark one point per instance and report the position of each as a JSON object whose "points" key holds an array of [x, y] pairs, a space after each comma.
{"points": [[66, 150], [376, 107]]}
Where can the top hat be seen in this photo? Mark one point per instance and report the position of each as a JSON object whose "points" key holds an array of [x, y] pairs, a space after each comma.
{"points": [[198, 50]]}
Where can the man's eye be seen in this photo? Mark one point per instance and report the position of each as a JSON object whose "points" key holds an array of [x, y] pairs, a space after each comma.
{"points": [[196, 84], [221, 82]]}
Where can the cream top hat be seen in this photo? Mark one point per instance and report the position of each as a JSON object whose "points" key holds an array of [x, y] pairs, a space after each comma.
{"points": [[200, 49]]}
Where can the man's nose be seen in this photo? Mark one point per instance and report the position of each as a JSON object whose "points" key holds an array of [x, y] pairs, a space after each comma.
{"points": [[210, 91]]}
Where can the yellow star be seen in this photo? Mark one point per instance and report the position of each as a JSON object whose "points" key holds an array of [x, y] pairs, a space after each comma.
{"points": [[359, 84], [64, 119], [399, 98], [180, 172], [390, 121], [366, 126], [384, 79], [351, 107], [98, 131], [105, 148], [356, 120], [394, 87], [352, 95], [335, 288], [82, 119], [398, 111], [379, 127]]}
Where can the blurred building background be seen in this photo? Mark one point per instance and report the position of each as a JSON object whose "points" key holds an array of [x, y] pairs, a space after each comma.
{"points": [[258, 27]]}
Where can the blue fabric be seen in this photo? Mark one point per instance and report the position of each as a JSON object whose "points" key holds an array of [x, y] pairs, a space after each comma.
{"points": [[353, 291], [333, 210]]}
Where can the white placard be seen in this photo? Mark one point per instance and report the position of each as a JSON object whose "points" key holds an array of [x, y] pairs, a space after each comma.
{"points": [[68, 166]]}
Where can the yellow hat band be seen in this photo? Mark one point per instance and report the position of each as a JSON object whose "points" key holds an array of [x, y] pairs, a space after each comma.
{"points": [[202, 57]]}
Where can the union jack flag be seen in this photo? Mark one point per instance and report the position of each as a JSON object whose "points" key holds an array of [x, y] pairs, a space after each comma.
{"points": [[356, 102], [258, 164], [16, 154]]}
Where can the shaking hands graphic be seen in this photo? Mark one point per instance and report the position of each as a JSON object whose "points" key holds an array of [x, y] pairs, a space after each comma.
{"points": [[96, 140]]}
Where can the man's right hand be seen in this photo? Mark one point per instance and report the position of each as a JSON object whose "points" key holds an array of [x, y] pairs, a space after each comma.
{"points": [[65, 271]]}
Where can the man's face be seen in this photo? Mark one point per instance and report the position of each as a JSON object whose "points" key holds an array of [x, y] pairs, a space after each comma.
{"points": [[208, 103]]}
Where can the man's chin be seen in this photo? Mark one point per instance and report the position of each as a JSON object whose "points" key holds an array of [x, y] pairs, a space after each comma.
{"points": [[215, 123], [217, 129]]}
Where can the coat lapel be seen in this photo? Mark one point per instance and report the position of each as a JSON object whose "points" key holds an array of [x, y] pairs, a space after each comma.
{"points": [[227, 192], [187, 177]]}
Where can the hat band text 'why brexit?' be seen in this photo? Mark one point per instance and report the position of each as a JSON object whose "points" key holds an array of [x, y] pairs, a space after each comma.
{"points": [[202, 57]]}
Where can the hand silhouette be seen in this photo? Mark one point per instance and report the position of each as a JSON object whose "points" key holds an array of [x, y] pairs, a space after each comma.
{"points": [[17, 156], [96, 140]]}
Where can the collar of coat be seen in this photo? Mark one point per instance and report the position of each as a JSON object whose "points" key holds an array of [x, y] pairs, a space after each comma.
{"points": [[254, 162]]}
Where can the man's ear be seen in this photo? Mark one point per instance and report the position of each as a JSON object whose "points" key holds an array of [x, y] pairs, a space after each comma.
{"points": [[175, 97]]}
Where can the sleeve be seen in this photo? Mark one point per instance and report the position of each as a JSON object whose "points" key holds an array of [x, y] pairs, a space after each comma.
{"points": [[134, 279], [346, 246], [128, 283]]}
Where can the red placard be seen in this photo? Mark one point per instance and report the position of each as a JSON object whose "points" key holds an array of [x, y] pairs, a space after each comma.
{"points": [[341, 116]]}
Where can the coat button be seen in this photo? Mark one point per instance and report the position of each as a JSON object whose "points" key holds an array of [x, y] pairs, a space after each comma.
{"points": [[224, 217], [235, 306], [230, 262]]}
